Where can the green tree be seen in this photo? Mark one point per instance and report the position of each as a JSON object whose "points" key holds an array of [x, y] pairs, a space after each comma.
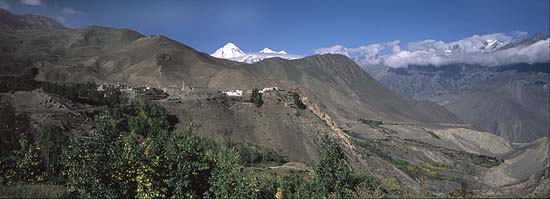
{"points": [[228, 180], [299, 104], [80, 174], [51, 141], [147, 118], [13, 128], [185, 166], [29, 167], [256, 97], [332, 171]]}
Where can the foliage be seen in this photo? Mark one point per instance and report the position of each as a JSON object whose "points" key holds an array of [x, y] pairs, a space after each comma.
{"points": [[421, 169], [23, 164], [28, 165], [132, 152], [333, 173], [228, 179], [141, 158], [256, 97], [299, 104], [34, 191], [51, 142], [86, 93], [418, 170], [268, 186], [371, 123], [11, 83], [146, 118], [253, 154], [391, 185], [370, 188], [434, 135], [465, 191], [13, 127]]}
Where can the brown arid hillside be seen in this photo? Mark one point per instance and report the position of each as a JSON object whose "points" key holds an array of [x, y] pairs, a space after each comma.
{"points": [[106, 55], [416, 148]]}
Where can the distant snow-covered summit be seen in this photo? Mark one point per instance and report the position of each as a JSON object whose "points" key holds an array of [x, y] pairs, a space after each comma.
{"points": [[232, 52], [228, 51], [267, 50]]}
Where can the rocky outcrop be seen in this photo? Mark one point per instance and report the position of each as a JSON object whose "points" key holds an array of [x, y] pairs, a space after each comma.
{"points": [[337, 132]]}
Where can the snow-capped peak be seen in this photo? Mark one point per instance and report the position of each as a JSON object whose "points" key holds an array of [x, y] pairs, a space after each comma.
{"points": [[492, 44], [228, 51], [267, 50], [232, 52]]}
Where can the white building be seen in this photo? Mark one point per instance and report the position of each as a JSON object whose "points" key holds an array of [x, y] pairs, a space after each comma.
{"points": [[269, 89], [101, 87], [236, 93]]}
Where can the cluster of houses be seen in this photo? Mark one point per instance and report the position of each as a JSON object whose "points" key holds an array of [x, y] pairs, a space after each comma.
{"points": [[146, 91], [155, 93], [233, 93], [239, 93]]}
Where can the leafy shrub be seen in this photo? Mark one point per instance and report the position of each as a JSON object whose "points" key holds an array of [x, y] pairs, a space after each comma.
{"points": [[299, 104], [51, 142], [146, 118], [332, 172], [13, 128], [142, 158], [133, 153], [434, 135], [371, 123], [391, 185], [256, 97], [253, 154], [86, 93]]}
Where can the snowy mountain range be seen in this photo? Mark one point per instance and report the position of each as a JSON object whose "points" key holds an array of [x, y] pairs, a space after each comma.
{"points": [[495, 49], [232, 52]]}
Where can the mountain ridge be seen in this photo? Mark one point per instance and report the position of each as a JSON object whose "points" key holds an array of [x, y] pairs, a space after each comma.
{"points": [[508, 100], [13, 22]]}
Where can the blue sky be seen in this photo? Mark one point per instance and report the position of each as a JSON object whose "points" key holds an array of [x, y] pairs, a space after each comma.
{"points": [[298, 27]]}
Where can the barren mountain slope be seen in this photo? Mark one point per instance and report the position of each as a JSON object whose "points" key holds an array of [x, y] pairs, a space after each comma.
{"points": [[510, 101], [123, 56]]}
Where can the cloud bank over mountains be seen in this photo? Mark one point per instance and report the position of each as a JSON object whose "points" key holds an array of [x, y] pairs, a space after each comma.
{"points": [[486, 50]]}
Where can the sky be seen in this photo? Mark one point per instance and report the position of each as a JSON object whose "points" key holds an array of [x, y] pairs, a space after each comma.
{"points": [[298, 27]]}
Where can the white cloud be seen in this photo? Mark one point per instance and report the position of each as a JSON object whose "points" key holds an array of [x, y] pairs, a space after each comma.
{"points": [[4, 5], [536, 53], [336, 49], [68, 11], [367, 50], [371, 49], [520, 34], [477, 49], [394, 45], [60, 19], [32, 2], [426, 45]]}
